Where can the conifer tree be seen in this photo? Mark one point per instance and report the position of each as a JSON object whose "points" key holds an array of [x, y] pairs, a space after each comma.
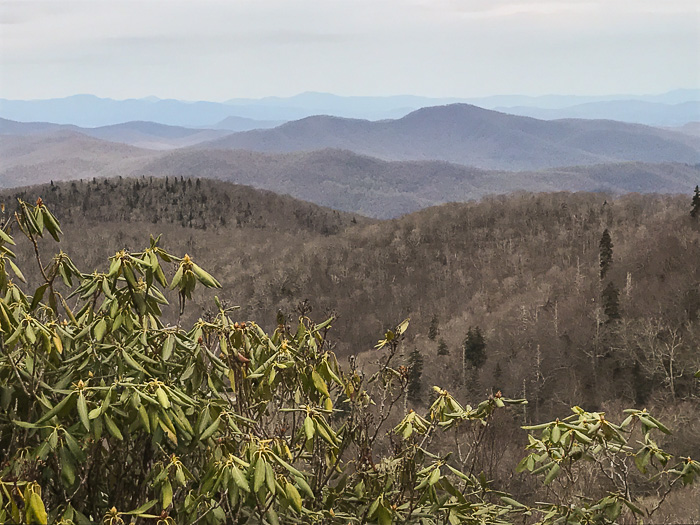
{"points": [[434, 329], [606, 253], [442, 348], [474, 348], [415, 373], [695, 212], [611, 302]]}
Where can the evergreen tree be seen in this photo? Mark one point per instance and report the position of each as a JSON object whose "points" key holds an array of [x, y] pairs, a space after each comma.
{"points": [[606, 253], [695, 212], [415, 372], [434, 329], [474, 348], [442, 348], [611, 302]]}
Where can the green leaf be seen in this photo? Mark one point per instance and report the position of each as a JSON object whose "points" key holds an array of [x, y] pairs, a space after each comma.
{"points": [[270, 478], [239, 478], [401, 328], [459, 474], [162, 398], [145, 420], [6, 238], [260, 473], [384, 516], [177, 278], [648, 422], [512, 502], [319, 383], [17, 271], [209, 431], [294, 496], [67, 467], [304, 486], [74, 447], [523, 465], [25, 424], [167, 349], [132, 363], [143, 508], [553, 472], [35, 510], [309, 427], [641, 459], [206, 279], [83, 411], [55, 410], [166, 494], [112, 428], [660, 425], [434, 477], [286, 465], [100, 329], [555, 434], [272, 516], [38, 296], [633, 507]]}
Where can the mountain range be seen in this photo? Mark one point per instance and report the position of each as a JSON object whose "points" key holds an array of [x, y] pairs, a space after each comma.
{"points": [[380, 169], [639, 111], [92, 111], [338, 179], [149, 135], [469, 135]]}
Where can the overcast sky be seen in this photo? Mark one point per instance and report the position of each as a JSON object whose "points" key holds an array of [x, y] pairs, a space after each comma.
{"points": [[216, 50]]}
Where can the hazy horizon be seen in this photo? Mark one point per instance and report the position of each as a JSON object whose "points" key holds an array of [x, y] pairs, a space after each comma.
{"points": [[369, 95]]}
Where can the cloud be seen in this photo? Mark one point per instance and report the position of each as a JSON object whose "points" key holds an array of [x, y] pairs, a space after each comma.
{"points": [[485, 9], [222, 49]]}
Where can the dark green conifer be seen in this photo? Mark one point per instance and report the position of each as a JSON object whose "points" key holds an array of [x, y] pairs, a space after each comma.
{"points": [[434, 328], [442, 348], [606, 253], [695, 212], [474, 348], [611, 302]]}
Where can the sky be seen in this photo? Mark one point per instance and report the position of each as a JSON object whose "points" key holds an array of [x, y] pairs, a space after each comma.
{"points": [[217, 50]]}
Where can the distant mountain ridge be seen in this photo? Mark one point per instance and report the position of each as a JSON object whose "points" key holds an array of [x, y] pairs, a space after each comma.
{"points": [[234, 123], [92, 111], [150, 135], [642, 112], [469, 135]]}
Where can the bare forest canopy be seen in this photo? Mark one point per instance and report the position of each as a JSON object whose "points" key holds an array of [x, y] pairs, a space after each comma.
{"points": [[525, 269]]}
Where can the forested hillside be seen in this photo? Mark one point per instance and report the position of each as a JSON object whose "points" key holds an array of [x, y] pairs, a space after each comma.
{"points": [[564, 299], [524, 269], [192, 203]]}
